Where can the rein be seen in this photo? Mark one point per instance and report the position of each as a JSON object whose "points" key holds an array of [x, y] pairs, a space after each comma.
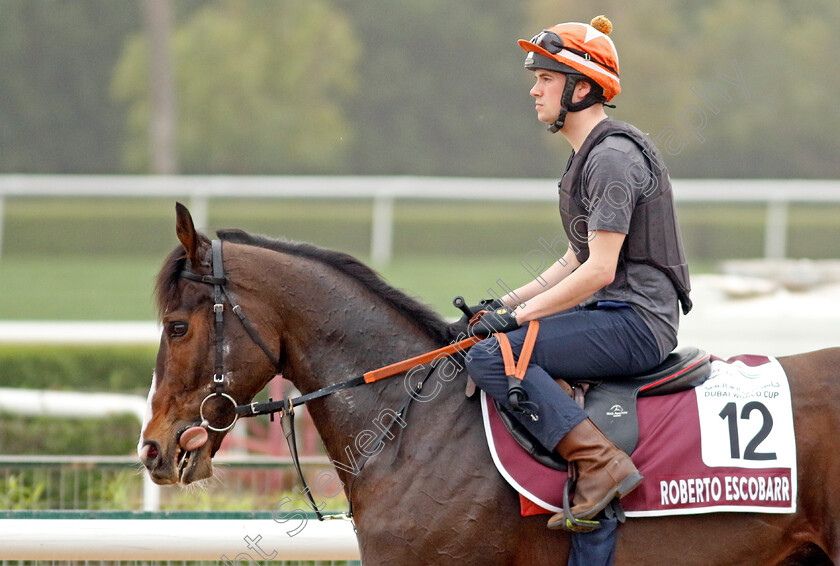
{"points": [[391, 370], [286, 406]]}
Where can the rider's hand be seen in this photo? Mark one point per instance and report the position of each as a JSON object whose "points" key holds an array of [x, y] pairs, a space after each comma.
{"points": [[498, 320], [461, 327], [487, 305]]}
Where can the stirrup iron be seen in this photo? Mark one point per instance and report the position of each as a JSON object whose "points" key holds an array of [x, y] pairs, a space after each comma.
{"points": [[570, 523]]}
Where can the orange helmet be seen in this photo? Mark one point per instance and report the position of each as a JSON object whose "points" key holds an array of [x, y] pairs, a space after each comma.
{"points": [[576, 48]]}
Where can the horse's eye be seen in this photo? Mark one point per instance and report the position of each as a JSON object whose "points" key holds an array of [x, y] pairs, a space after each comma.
{"points": [[177, 329]]}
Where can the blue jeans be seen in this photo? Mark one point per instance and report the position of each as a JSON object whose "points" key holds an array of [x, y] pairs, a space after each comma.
{"points": [[605, 341]]}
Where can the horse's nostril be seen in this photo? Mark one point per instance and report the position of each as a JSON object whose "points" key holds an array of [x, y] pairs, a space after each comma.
{"points": [[149, 452]]}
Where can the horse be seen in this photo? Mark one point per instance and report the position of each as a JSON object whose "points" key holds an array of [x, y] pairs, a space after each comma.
{"points": [[428, 493]]}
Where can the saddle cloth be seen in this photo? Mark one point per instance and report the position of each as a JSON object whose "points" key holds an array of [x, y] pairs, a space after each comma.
{"points": [[727, 445]]}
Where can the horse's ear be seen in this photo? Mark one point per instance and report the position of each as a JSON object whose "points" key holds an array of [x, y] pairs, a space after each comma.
{"points": [[185, 229]]}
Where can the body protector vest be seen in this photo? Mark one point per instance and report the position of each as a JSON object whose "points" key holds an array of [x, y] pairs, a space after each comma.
{"points": [[654, 236]]}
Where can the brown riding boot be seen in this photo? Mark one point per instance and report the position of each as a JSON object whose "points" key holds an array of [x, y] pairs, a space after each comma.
{"points": [[604, 471]]}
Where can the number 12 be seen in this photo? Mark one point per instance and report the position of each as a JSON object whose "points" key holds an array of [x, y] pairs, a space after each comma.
{"points": [[730, 412]]}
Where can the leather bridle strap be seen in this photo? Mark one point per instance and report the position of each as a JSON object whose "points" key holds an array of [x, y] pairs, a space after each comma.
{"points": [[218, 280], [254, 409], [288, 405], [219, 309], [252, 333]]}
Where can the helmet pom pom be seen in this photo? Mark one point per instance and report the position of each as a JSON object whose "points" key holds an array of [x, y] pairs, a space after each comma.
{"points": [[602, 24]]}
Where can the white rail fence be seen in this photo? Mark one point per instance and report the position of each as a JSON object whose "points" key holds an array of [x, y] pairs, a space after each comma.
{"points": [[776, 323], [79, 332], [385, 191], [69, 404], [144, 538]]}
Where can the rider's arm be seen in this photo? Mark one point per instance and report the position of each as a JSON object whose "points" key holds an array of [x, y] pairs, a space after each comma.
{"points": [[558, 271], [595, 273]]}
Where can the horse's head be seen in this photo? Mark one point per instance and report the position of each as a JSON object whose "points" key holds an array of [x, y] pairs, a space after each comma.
{"points": [[207, 362]]}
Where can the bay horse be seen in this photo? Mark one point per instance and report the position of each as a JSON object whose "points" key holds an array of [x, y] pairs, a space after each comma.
{"points": [[431, 494]]}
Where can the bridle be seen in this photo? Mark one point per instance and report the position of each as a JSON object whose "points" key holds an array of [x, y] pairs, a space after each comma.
{"points": [[285, 406], [220, 293], [218, 281]]}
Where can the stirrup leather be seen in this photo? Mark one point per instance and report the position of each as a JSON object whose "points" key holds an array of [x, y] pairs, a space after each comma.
{"points": [[517, 397]]}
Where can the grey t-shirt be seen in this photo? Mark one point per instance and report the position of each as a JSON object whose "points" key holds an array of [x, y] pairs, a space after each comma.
{"points": [[613, 179]]}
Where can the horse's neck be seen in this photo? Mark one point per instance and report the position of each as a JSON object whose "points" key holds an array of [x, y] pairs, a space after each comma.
{"points": [[350, 338], [331, 339]]}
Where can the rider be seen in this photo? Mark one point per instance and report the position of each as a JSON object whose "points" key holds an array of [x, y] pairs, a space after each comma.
{"points": [[610, 306]]}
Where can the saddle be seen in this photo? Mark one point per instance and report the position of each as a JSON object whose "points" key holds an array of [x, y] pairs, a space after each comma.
{"points": [[611, 402]]}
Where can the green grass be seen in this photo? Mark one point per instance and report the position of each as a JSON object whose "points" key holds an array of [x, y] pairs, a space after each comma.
{"points": [[83, 288], [77, 288], [95, 259]]}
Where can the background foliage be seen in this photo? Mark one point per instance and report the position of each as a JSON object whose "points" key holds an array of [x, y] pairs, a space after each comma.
{"points": [[252, 112], [124, 369], [410, 86]]}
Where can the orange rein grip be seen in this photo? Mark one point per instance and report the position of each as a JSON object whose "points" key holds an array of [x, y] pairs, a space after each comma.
{"points": [[527, 349], [518, 370], [405, 365], [507, 354]]}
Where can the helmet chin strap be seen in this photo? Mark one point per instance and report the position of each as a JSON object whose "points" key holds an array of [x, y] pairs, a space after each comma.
{"points": [[566, 104], [558, 123]]}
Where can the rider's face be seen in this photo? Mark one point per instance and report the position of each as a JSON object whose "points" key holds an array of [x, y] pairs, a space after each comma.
{"points": [[548, 92]]}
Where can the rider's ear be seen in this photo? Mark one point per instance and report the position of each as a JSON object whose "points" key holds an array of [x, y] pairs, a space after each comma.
{"points": [[185, 230], [582, 88]]}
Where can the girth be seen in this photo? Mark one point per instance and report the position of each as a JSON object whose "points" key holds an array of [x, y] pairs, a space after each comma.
{"points": [[611, 402]]}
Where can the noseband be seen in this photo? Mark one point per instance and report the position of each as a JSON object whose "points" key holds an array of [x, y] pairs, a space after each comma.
{"points": [[286, 406], [218, 281]]}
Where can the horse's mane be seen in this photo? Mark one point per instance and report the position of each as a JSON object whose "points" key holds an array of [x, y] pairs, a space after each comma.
{"points": [[421, 315]]}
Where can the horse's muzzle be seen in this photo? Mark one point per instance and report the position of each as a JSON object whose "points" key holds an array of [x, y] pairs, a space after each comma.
{"points": [[161, 470]]}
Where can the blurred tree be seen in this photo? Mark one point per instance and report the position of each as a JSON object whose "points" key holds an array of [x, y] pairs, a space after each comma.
{"points": [[412, 86], [444, 90], [260, 88], [164, 114], [728, 89], [787, 124], [56, 60]]}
